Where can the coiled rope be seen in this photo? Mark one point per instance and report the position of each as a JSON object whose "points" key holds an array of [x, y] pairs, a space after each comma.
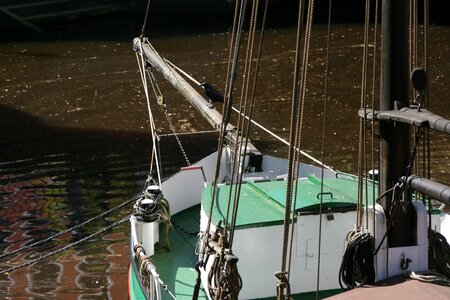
{"points": [[439, 253], [357, 266]]}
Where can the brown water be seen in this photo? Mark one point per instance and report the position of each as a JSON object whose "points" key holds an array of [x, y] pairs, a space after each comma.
{"points": [[75, 139]]}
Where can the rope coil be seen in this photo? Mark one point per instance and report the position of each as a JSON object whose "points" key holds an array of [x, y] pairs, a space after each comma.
{"points": [[357, 267]]}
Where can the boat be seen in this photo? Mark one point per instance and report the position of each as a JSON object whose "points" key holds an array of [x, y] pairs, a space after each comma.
{"points": [[239, 224]]}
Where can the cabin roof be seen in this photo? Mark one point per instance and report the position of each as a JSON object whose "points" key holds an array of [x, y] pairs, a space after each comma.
{"points": [[262, 202]]}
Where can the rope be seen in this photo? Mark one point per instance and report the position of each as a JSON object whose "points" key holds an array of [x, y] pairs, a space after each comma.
{"points": [[362, 161], [373, 137], [283, 283], [439, 252], [292, 136], [299, 121], [229, 283], [237, 153], [144, 25], [357, 263], [143, 73], [429, 277], [298, 100], [224, 281], [166, 217], [189, 133], [310, 157], [426, 22], [40, 242], [69, 246], [246, 131], [151, 281], [232, 61], [324, 130]]}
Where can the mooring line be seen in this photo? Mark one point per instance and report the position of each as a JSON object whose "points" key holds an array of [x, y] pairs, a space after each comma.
{"points": [[109, 227], [69, 229]]}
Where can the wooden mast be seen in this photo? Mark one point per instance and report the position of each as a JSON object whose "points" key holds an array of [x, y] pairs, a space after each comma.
{"points": [[395, 137]]}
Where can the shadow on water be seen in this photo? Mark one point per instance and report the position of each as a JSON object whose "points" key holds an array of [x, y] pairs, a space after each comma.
{"points": [[54, 178]]}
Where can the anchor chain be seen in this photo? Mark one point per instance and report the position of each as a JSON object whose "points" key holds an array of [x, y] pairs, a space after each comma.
{"points": [[172, 128]]}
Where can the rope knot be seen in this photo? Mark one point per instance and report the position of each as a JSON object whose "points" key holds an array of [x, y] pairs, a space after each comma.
{"points": [[282, 278]]}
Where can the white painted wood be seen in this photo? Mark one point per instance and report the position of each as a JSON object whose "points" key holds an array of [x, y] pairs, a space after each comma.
{"points": [[184, 189], [388, 260]]}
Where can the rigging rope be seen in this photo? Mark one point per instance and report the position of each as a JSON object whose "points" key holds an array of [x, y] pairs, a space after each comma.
{"points": [[298, 97], [277, 137], [143, 72], [299, 121], [145, 23], [372, 122], [228, 286], [308, 156], [426, 22], [284, 284], [246, 132], [242, 106], [240, 150], [145, 270], [232, 62], [245, 126], [324, 131], [362, 161]]}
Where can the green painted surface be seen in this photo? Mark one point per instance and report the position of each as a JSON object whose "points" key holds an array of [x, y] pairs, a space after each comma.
{"points": [[255, 208], [177, 266], [262, 203], [134, 288]]}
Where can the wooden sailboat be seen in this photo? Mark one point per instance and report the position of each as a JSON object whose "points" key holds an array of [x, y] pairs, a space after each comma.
{"points": [[237, 214]]}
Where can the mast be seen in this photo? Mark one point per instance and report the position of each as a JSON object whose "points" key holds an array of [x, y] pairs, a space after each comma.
{"points": [[184, 88], [395, 137]]}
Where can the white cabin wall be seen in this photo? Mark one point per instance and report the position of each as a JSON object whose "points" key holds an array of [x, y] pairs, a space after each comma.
{"points": [[259, 253], [274, 167], [184, 189], [305, 261]]}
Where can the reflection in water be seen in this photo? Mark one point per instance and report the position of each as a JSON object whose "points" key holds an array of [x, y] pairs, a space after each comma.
{"points": [[74, 140], [52, 179]]}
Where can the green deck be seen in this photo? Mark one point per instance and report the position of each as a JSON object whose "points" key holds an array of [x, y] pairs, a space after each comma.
{"points": [[177, 267], [262, 203]]}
